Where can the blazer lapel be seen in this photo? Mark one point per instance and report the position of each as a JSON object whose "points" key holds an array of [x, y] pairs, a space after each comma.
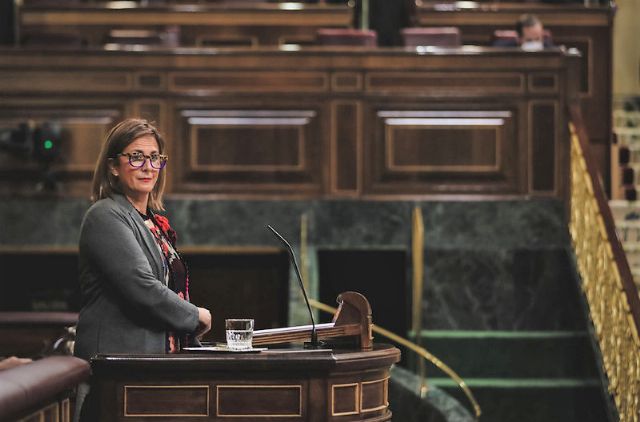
{"points": [[145, 234]]}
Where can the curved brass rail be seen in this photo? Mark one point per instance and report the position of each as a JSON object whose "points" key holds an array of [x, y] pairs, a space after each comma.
{"points": [[421, 351]]}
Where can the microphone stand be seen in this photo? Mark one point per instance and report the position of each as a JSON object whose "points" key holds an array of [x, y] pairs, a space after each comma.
{"points": [[314, 344]]}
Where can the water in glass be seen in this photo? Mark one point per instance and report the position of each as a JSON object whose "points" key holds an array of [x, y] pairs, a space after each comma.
{"points": [[239, 333], [239, 339]]}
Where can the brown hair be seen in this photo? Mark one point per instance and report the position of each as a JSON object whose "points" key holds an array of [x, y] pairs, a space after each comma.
{"points": [[119, 137], [526, 21]]}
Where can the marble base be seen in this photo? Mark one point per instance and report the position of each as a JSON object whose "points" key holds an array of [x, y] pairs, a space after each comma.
{"points": [[407, 405], [488, 264]]}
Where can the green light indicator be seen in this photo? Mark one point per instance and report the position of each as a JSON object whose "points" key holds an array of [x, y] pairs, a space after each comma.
{"points": [[48, 144]]}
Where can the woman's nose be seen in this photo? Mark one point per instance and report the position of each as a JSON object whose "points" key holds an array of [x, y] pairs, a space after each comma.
{"points": [[146, 166]]}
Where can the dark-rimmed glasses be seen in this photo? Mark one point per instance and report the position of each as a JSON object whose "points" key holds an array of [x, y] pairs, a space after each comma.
{"points": [[137, 159]]}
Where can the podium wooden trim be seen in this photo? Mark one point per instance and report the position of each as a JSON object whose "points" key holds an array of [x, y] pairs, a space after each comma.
{"points": [[352, 319], [346, 382]]}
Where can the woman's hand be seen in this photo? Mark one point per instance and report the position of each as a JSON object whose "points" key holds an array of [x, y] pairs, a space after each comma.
{"points": [[12, 362], [204, 322]]}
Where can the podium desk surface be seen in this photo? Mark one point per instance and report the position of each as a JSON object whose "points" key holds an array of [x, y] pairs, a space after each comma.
{"points": [[277, 358]]}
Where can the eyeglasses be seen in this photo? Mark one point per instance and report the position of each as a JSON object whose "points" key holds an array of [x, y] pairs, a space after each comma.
{"points": [[137, 159]]}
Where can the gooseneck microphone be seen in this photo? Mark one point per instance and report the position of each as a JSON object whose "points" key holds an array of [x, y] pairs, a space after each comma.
{"points": [[314, 334]]}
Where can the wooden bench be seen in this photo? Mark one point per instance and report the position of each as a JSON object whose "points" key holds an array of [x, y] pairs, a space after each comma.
{"points": [[41, 390]]}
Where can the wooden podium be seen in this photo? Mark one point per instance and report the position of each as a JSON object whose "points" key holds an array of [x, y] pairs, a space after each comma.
{"points": [[283, 383]]}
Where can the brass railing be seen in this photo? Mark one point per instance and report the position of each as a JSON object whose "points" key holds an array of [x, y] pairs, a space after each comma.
{"points": [[418, 232], [420, 351], [417, 267], [606, 279]]}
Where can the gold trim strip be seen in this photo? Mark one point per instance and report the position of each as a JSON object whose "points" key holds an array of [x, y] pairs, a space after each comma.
{"points": [[240, 386], [417, 263], [417, 255]]}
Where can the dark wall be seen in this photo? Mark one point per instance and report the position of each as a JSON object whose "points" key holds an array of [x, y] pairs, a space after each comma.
{"points": [[6, 22], [387, 17]]}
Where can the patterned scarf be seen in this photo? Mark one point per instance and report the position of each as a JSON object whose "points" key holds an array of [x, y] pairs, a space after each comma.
{"points": [[176, 273]]}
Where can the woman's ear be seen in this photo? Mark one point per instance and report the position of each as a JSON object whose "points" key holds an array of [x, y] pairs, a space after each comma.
{"points": [[112, 168]]}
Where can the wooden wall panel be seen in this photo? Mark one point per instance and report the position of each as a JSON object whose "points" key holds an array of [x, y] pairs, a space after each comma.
{"points": [[70, 81], [467, 82], [248, 81], [308, 123], [346, 148], [250, 150], [166, 401], [594, 45], [260, 401], [543, 83], [415, 149], [543, 141], [588, 29], [374, 395]]}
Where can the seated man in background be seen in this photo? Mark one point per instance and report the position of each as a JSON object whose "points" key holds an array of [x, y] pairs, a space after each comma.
{"points": [[530, 35]]}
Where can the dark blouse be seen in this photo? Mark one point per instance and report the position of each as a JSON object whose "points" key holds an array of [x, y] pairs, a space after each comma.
{"points": [[175, 270]]}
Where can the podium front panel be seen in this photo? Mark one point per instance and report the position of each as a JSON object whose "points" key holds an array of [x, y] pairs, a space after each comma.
{"points": [[275, 385]]}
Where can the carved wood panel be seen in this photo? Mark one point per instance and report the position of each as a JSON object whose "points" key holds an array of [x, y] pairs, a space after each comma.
{"points": [[248, 81], [543, 140], [69, 81], [308, 123], [418, 150], [249, 150], [260, 401], [589, 29], [346, 147], [433, 82], [165, 400]]}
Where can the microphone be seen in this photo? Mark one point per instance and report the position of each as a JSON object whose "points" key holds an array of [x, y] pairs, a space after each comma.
{"points": [[314, 334]]}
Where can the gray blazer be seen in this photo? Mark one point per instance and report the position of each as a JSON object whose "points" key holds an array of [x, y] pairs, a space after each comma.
{"points": [[127, 308]]}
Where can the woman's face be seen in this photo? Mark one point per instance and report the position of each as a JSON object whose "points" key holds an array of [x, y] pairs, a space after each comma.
{"points": [[137, 183]]}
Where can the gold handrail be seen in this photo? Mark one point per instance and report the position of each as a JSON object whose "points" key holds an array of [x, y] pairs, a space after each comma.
{"points": [[607, 294], [417, 260], [421, 351], [417, 264]]}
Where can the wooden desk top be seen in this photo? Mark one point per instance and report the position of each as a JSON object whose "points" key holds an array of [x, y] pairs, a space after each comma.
{"points": [[273, 359]]}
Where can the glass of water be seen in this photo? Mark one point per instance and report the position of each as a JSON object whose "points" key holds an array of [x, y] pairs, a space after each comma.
{"points": [[239, 333]]}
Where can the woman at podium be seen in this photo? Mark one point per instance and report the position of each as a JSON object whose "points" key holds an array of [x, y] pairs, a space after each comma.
{"points": [[134, 284]]}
